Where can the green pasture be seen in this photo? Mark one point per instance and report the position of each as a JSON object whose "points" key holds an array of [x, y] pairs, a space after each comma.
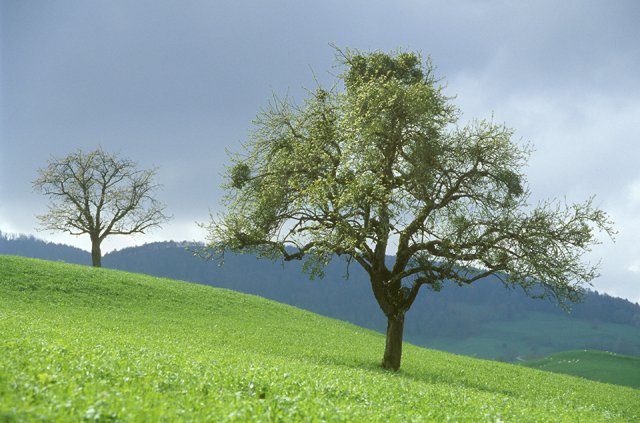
{"points": [[595, 365], [79, 343]]}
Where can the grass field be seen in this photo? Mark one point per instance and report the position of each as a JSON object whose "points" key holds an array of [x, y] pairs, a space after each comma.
{"points": [[529, 337], [595, 365], [101, 345]]}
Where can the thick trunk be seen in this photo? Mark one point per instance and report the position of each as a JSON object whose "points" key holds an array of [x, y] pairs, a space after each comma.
{"points": [[393, 348], [96, 254]]}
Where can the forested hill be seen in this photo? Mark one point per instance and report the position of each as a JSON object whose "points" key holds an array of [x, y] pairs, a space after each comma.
{"points": [[483, 319], [287, 282], [30, 246]]}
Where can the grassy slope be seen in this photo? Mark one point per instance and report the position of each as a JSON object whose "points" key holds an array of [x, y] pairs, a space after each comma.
{"points": [[79, 342], [595, 365]]}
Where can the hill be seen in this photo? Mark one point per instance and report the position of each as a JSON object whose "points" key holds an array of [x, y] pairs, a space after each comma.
{"points": [[98, 344], [595, 365], [30, 246], [482, 320]]}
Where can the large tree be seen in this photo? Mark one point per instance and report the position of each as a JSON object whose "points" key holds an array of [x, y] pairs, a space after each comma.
{"points": [[99, 194], [379, 165]]}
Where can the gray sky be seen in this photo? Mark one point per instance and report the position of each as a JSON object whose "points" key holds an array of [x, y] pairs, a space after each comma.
{"points": [[173, 84]]}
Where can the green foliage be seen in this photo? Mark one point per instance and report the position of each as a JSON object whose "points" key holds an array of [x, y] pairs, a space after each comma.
{"points": [[350, 172], [81, 343], [240, 175], [595, 365], [363, 68], [385, 159]]}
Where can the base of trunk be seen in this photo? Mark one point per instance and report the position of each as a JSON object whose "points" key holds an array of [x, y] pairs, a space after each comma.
{"points": [[393, 347]]}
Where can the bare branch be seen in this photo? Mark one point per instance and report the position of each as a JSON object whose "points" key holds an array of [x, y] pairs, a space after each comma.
{"points": [[99, 194]]}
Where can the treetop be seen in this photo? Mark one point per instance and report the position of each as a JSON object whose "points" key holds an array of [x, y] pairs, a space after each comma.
{"points": [[384, 167]]}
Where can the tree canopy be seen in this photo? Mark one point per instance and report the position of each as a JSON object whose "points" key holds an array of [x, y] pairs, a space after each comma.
{"points": [[379, 164], [99, 194]]}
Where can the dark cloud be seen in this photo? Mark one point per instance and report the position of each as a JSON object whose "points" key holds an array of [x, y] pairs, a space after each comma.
{"points": [[172, 84]]}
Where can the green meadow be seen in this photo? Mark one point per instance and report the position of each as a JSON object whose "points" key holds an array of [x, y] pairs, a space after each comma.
{"points": [[596, 365], [530, 336], [80, 343]]}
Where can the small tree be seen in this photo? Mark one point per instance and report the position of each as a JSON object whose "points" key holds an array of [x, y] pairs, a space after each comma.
{"points": [[98, 194], [381, 166]]}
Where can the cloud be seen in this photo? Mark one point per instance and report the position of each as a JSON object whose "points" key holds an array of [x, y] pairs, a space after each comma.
{"points": [[174, 84]]}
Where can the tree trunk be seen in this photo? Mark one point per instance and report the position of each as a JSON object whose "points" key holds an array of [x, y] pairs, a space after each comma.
{"points": [[96, 254], [393, 348]]}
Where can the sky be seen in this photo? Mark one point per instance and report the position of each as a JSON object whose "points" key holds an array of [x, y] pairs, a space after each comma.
{"points": [[177, 84]]}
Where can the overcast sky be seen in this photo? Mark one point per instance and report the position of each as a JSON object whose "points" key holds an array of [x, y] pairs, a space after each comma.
{"points": [[174, 83]]}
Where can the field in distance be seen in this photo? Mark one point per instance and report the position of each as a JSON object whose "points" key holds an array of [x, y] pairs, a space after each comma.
{"points": [[595, 365], [85, 343]]}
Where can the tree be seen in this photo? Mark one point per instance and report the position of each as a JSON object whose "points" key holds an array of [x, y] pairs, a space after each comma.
{"points": [[99, 194], [381, 166]]}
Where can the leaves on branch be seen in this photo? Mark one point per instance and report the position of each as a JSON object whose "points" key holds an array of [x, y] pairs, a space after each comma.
{"points": [[382, 166]]}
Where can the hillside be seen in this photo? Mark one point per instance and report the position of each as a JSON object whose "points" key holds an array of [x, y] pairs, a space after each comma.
{"points": [[482, 320], [595, 365], [97, 344]]}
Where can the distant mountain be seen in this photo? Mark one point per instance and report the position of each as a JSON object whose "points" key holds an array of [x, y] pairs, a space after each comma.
{"points": [[30, 246], [483, 319]]}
